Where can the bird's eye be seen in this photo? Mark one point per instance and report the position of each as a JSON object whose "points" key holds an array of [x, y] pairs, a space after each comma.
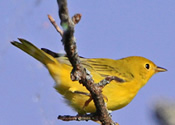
{"points": [[147, 66]]}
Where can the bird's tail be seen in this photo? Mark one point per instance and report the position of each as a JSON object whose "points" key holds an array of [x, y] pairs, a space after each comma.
{"points": [[52, 64], [34, 51]]}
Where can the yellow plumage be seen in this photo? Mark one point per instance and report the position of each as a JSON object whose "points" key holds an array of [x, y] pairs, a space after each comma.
{"points": [[134, 71]]}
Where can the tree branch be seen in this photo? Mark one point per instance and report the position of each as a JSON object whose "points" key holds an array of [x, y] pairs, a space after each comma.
{"points": [[55, 25], [85, 117], [79, 72], [76, 18]]}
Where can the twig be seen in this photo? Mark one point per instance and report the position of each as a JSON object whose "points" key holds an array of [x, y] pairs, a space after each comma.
{"points": [[78, 117], [76, 19], [78, 72], [55, 25], [108, 79]]}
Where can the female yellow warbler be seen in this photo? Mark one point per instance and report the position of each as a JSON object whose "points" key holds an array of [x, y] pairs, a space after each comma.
{"points": [[133, 71]]}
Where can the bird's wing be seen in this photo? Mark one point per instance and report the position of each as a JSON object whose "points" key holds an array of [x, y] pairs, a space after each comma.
{"points": [[107, 67], [101, 66]]}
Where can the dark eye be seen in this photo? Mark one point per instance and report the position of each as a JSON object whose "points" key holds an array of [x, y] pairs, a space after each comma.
{"points": [[147, 66]]}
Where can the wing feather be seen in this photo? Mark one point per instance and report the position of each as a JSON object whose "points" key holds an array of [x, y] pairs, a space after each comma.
{"points": [[107, 67]]}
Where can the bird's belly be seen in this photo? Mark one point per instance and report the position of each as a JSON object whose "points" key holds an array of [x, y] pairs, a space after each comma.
{"points": [[119, 101], [120, 96]]}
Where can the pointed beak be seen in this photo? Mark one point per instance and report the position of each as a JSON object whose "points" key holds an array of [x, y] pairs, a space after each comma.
{"points": [[160, 69]]}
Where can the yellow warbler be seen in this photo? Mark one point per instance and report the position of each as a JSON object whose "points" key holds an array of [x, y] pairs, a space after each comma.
{"points": [[133, 71]]}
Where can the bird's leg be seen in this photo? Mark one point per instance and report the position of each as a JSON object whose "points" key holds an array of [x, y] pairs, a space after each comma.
{"points": [[87, 102], [90, 97], [83, 93], [87, 94]]}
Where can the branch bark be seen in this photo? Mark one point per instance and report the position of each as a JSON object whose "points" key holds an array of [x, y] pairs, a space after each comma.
{"points": [[79, 72]]}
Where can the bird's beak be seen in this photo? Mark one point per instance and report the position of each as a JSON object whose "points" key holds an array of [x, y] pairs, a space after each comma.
{"points": [[160, 69]]}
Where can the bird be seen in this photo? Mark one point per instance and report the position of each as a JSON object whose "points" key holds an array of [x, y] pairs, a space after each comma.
{"points": [[132, 74]]}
